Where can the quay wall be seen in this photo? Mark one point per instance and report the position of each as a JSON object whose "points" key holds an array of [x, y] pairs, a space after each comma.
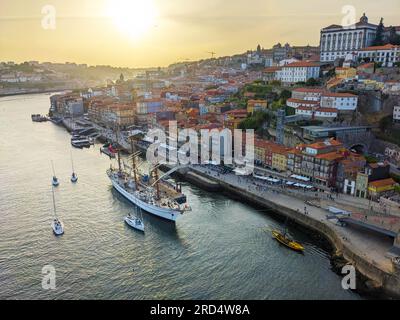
{"points": [[202, 182]]}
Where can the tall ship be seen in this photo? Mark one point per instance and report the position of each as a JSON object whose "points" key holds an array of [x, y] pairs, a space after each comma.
{"points": [[149, 192]]}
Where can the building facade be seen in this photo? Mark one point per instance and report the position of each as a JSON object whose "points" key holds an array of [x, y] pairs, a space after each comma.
{"points": [[339, 101], [387, 55], [396, 113], [337, 41], [298, 72]]}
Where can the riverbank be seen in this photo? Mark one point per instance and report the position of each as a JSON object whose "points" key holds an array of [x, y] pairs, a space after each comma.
{"points": [[27, 92]]}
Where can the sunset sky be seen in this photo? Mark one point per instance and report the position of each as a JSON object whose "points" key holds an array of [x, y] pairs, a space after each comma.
{"points": [[141, 33]]}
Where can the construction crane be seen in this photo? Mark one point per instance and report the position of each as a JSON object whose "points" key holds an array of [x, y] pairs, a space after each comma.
{"points": [[212, 54]]}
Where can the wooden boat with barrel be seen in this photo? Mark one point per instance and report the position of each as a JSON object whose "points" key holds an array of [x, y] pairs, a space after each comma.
{"points": [[286, 241]]}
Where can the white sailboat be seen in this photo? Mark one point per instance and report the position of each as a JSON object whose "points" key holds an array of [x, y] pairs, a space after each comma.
{"points": [[54, 181], [74, 177], [56, 225], [135, 222]]}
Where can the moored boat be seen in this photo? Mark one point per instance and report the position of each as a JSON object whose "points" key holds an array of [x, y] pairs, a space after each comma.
{"points": [[81, 143], [74, 177], [108, 150], [286, 241], [56, 224], [54, 181], [135, 222], [38, 118], [58, 227]]}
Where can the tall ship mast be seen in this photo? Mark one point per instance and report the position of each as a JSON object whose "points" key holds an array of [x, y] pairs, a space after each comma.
{"points": [[149, 192]]}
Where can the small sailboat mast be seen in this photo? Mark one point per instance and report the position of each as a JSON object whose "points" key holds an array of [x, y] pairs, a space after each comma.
{"points": [[56, 225], [156, 179], [74, 177], [118, 149], [134, 164], [54, 203], [52, 166], [54, 182], [72, 163]]}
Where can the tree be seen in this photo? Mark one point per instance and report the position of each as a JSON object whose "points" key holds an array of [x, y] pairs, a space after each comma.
{"points": [[285, 94], [255, 121], [385, 123], [311, 82], [394, 38], [121, 77], [379, 41], [275, 83], [290, 111]]}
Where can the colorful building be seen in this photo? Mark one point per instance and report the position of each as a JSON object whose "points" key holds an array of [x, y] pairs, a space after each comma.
{"points": [[279, 158], [379, 187], [256, 105], [345, 73]]}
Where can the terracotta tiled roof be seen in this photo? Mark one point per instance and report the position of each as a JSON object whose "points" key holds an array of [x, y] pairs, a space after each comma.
{"points": [[272, 69], [382, 183], [339, 95], [385, 47], [304, 102], [301, 64], [327, 110], [305, 108], [325, 144], [330, 156], [310, 90]]}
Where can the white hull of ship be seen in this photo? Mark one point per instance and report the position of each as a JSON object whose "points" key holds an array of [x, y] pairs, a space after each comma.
{"points": [[167, 214]]}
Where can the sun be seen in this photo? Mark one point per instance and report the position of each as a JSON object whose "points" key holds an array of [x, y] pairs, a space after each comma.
{"points": [[132, 17]]}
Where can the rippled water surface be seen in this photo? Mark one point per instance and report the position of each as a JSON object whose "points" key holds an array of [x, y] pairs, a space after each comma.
{"points": [[218, 251]]}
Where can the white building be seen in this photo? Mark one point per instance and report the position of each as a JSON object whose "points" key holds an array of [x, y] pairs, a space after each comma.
{"points": [[388, 54], [396, 114], [320, 98], [338, 41], [298, 72], [313, 94], [339, 101], [317, 112], [296, 103]]}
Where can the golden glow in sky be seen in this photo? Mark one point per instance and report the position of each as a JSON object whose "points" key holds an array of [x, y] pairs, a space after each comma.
{"points": [[144, 33], [132, 17]]}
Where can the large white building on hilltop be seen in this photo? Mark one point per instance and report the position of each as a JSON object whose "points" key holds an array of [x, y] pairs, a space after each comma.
{"points": [[338, 41]]}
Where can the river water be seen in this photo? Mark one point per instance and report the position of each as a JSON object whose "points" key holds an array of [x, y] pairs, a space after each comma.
{"points": [[220, 250]]}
